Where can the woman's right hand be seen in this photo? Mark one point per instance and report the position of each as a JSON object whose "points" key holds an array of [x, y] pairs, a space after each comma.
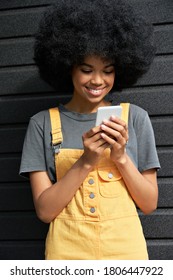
{"points": [[94, 146]]}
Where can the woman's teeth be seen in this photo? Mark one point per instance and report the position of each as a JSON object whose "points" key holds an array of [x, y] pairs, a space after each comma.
{"points": [[95, 91]]}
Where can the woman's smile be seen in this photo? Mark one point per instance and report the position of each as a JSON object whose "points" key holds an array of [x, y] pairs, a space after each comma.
{"points": [[93, 79], [94, 91]]}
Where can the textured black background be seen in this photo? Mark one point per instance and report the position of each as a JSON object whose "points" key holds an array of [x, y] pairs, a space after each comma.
{"points": [[22, 94]]}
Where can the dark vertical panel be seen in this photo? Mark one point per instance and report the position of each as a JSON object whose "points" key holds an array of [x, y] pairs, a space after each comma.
{"points": [[22, 94]]}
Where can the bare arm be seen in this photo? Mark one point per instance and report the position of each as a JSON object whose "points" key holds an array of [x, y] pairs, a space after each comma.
{"points": [[141, 186], [50, 199]]}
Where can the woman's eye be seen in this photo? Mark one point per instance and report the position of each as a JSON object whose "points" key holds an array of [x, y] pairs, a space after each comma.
{"points": [[109, 72], [87, 71]]}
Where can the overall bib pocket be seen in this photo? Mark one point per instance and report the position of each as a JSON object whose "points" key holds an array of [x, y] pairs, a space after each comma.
{"points": [[110, 182]]}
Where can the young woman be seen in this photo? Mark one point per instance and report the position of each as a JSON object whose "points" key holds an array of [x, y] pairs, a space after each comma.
{"points": [[87, 180]]}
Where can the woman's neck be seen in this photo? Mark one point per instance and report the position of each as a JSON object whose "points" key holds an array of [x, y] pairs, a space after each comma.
{"points": [[84, 107]]}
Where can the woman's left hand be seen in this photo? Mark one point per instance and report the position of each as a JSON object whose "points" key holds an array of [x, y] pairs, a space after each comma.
{"points": [[115, 132]]}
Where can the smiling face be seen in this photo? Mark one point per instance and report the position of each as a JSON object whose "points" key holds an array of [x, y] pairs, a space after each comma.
{"points": [[92, 79]]}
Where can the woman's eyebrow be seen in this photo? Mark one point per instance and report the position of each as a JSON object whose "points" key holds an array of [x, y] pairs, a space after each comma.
{"points": [[109, 65], [86, 64]]}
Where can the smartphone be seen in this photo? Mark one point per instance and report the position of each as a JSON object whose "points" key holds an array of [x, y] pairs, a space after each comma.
{"points": [[104, 113]]}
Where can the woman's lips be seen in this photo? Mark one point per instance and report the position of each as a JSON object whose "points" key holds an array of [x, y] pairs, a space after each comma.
{"points": [[95, 92]]}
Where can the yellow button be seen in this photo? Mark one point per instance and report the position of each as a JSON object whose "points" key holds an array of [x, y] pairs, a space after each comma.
{"points": [[91, 181], [92, 209], [110, 175], [92, 195]]}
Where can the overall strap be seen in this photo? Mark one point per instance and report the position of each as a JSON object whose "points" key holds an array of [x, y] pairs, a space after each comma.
{"points": [[56, 132], [125, 112]]}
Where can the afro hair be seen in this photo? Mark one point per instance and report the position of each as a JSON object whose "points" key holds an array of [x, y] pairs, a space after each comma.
{"points": [[73, 29]]}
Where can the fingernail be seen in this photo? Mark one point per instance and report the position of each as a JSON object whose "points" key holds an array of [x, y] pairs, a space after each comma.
{"points": [[113, 118], [105, 121], [103, 126]]}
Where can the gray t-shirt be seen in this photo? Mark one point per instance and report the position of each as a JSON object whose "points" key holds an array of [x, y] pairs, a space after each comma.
{"points": [[38, 153]]}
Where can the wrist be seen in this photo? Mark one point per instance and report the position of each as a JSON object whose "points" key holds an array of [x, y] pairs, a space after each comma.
{"points": [[85, 165], [121, 161]]}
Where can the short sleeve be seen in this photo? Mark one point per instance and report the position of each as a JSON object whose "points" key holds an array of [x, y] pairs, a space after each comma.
{"points": [[33, 155], [147, 153]]}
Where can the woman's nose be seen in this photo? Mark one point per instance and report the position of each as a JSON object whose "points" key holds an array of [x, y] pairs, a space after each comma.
{"points": [[97, 79]]}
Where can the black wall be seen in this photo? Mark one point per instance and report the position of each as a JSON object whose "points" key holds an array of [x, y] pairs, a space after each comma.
{"points": [[22, 94]]}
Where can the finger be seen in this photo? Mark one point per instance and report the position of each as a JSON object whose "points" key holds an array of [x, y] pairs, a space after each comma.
{"points": [[116, 124], [118, 121], [114, 143], [114, 132], [113, 136], [111, 141], [92, 139], [104, 146], [92, 132], [100, 142], [112, 128], [93, 142]]}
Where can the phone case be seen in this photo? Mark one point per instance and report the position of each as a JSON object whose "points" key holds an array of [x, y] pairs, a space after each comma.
{"points": [[104, 113]]}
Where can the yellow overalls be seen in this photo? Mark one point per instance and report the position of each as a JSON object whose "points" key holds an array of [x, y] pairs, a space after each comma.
{"points": [[101, 221]]}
